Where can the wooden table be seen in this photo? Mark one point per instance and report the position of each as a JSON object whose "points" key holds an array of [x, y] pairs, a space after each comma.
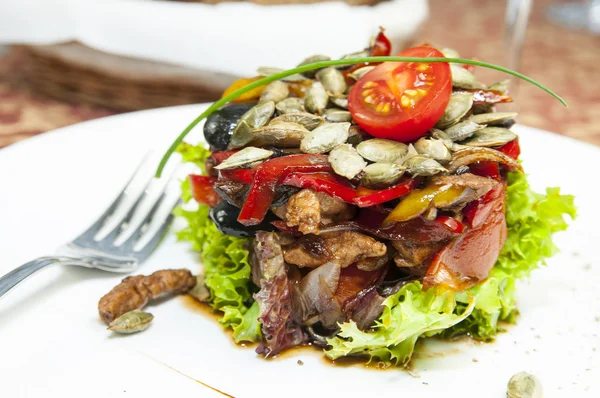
{"points": [[567, 61]]}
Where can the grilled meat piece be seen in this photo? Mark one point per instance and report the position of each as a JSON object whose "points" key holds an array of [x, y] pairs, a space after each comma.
{"points": [[345, 247], [231, 191], [135, 291], [415, 257], [307, 209]]}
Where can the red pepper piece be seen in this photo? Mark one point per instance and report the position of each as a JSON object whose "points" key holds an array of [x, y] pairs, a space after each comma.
{"points": [[244, 176], [324, 182], [203, 191], [268, 175], [486, 169], [477, 211], [451, 223], [366, 197], [512, 149]]}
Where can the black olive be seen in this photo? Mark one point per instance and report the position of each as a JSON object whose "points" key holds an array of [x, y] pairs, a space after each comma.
{"points": [[225, 215], [219, 126]]}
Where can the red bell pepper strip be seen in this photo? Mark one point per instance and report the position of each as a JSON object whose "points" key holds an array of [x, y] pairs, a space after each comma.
{"points": [[512, 149], [203, 191], [266, 177], [244, 176], [324, 182], [485, 169], [366, 197], [451, 223]]}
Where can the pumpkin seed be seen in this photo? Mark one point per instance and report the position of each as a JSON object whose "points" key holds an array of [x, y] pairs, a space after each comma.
{"points": [[490, 137], [440, 135], [524, 385], [435, 149], [290, 105], [325, 137], [493, 118], [463, 130], [243, 157], [346, 161], [460, 103], [360, 72], [316, 98], [131, 322], [256, 117], [382, 150], [268, 71], [378, 175], [501, 86], [421, 165], [332, 80], [335, 115], [279, 134], [308, 120], [310, 60], [340, 101], [462, 78], [275, 91]]}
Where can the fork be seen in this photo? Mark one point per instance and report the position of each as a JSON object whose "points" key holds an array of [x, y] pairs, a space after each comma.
{"points": [[107, 254]]}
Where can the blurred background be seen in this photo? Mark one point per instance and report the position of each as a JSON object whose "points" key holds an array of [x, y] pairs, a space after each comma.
{"points": [[66, 61]]}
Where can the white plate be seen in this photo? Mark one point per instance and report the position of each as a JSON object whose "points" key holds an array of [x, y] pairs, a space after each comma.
{"points": [[53, 344]]}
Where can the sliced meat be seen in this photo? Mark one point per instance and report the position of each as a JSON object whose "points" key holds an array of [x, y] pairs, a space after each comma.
{"points": [[231, 191], [334, 209], [345, 247], [415, 257], [134, 292], [468, 260], [476, 186], [303, 211], [307, 209], [275, 298]]}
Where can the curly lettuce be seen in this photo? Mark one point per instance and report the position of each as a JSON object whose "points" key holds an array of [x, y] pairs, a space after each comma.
{"points": [[227, 270], [412, 313]]}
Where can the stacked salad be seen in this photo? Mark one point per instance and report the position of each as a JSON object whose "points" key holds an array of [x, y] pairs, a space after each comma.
{"points": [[361, 207]]}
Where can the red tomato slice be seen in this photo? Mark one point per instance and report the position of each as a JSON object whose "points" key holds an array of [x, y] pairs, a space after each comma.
{"points": [[402, 100]]}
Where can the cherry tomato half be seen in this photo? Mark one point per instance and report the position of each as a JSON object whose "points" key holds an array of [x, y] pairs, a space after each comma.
{"points": [[402, 100]]}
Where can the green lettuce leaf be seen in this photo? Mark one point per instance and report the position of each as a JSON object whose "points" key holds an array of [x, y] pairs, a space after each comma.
{"points": [[227, 271], [531, 218], [411, 313], [406, 316]]}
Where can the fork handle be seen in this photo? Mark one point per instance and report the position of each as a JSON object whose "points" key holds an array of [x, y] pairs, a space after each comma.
{"points": [[17, 275]]}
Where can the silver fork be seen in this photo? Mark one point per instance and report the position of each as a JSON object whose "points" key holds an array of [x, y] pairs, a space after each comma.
{"points": [[105, 253]]}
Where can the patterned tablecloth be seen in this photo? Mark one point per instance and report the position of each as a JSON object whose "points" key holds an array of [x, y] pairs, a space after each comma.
{"points": [[565, 60]]}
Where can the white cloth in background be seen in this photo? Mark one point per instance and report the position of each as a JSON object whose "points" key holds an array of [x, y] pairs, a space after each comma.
{"points": [[229, 37]]}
